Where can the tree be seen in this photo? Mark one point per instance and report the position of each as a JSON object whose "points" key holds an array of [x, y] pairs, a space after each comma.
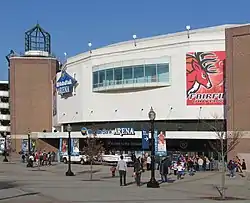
{"points": [[226, 142], [93, 148]]}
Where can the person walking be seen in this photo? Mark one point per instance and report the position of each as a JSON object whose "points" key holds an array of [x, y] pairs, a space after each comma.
{"points": [[200, 164], [148, 163], [137, 171], [122, 168], [232, 168], [244, 167], [164, 169]]}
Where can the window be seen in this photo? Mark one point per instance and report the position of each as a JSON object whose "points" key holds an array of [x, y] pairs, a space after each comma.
{"points": [[101, 78], [4, 87], [118, 76], [4, 99], [109, 77], [127, 75], [139, 74], [163, 72], [95, 79], [150, 73]]}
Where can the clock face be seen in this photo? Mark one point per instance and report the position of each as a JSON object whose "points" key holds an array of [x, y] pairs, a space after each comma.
{"points": [[183, 144]]}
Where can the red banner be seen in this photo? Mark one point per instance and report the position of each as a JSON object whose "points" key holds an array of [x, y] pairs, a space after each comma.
{"points": [[205, 78]]}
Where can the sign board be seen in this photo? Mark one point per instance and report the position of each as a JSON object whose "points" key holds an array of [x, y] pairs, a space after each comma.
{"points": [[116, 131], [65, 84], [145, 140], [160, 143]]}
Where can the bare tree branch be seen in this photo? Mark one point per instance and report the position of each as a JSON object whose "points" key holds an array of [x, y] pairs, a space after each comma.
{"points": [[93, 149], [226, 141]]}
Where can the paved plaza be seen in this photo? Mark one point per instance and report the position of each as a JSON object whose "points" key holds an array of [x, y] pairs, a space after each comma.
{"points": [[50, 185]]}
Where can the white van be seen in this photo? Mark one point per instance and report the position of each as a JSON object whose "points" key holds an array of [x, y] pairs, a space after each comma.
{"points": [[81, 159]]}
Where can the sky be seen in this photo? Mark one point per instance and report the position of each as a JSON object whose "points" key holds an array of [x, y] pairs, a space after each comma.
{"points": [[74, 23]]}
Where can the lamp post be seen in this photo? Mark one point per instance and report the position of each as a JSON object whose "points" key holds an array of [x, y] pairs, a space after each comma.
{"points": [[29, 151], [152, 183], [5, 147], [69, 172]]}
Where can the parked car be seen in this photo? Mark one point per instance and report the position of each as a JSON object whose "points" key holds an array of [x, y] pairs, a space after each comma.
{"points": [[113, 159], [81, 159]]}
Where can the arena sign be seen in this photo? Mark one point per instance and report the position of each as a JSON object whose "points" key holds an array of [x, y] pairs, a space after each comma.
{"points": [[65, 84], [116, 131]]}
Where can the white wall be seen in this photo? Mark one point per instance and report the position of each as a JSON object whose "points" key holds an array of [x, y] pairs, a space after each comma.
{"points": [[129, 105]]}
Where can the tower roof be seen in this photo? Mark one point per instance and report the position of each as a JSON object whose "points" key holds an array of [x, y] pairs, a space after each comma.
{"points": [[37, 39]]}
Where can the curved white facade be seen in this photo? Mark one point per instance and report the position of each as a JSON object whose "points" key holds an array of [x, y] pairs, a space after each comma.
{"points": [[128, 101]]}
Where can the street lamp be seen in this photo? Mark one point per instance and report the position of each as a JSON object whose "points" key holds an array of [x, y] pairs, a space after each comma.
{"points": [[5, 147], [69, 172], [29, 142], [152, 183]]}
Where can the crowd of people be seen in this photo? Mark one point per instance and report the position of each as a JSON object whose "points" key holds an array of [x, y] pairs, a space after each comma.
{"points": [[38, 158], [183, 165], [144, 163], [236, 165]]}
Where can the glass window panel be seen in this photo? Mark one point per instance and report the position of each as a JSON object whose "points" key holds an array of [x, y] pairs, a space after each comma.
{"points": [[109, 77], [150, 73], [139, 74], [163, 72], [101, 77], [127, 75], [95, 79], [118, 76]]}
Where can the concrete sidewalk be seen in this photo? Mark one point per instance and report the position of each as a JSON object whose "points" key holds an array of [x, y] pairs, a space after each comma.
{"points": [[51, 185]]}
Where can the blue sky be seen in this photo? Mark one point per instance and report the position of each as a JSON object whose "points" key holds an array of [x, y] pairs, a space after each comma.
{"points": [[73, 23]]}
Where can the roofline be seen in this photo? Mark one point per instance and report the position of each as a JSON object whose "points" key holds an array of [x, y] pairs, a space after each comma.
{"points": [[181, 33], [4, 82], [167, 36], [32, 57]]}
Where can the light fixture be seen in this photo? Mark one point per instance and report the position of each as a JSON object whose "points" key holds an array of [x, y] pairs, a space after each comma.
{"points": [[90, 45], [135, 37], [151, 114], [69, 128], [188, 27]]}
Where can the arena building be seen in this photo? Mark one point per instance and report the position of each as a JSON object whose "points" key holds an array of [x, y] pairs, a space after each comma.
{"points": [[112, 89]]}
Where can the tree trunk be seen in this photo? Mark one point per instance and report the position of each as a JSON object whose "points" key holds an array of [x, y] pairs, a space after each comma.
{"points": [[223, 179], [223, 172], [91, 170]]}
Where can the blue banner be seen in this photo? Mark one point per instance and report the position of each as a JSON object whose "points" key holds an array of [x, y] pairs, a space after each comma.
{"points": [[145, 140], [160, 144], [75, 151], [74, 148], [156, 141], [24, 145]]}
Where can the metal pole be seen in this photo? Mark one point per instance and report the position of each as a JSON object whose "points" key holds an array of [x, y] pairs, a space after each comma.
{"points": [[152, 151], [69, 152], [69, 172], [29, 144], [152, 183]]}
